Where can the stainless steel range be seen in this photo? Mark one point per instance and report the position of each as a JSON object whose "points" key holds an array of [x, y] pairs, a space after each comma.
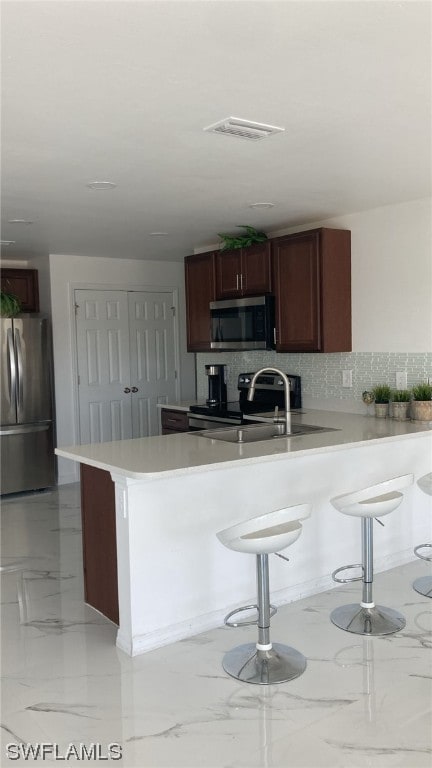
{"points": [[269, 393]]}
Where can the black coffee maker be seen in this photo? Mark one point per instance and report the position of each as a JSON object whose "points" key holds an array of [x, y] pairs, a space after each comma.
{"points": [[217, 391]]}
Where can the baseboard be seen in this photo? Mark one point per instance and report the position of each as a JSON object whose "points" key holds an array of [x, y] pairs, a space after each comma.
{"points": [[134, 646]]}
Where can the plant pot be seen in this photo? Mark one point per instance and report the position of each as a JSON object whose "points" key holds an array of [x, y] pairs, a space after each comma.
{"points": [[381, 410], [421, 410], [400, 411]]}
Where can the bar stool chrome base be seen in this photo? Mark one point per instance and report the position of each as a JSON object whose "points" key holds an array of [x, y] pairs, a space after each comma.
{"points": [[367, 621], [423, 585], [278, 665]]}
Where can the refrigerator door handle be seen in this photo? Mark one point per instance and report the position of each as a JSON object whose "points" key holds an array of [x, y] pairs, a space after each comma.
{"points": [[11, 367], [19, 389]]}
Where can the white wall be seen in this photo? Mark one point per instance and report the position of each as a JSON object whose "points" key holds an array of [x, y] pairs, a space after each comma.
{"points": [[69, 272]]}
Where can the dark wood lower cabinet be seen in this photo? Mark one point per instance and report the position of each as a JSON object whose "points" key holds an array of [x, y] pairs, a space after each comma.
{"points": [[173, 421], [99, 541]]}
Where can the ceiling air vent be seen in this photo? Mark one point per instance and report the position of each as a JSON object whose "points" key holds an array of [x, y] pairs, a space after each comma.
{"points": [[243, 129]]}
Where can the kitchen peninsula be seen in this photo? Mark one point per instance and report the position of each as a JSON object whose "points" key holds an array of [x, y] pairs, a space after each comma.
{"points": [[173, 493]]}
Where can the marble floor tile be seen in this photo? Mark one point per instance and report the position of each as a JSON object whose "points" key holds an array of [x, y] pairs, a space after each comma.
{"points": [[361, 702]]}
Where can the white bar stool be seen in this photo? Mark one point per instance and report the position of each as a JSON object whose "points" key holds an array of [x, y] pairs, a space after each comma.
{"points": [[264, 663], [423, 585], [376, 501]]}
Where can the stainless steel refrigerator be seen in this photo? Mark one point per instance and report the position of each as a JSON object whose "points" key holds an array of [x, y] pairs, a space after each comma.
{"points": [[26, 405]]}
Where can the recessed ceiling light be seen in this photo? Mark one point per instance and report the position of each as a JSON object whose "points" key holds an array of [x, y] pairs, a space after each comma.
{"points": [[101, 185], [20, 221], [7, 242], [157, 234], [262, 205]]}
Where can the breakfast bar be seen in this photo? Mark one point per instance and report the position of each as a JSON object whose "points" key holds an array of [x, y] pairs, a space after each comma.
{"points": [[173, 493]]}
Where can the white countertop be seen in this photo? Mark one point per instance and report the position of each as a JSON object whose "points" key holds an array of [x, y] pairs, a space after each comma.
{"points": [[187, 452]]}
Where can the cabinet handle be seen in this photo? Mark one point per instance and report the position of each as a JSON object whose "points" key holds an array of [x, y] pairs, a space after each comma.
{"points": [[134, 389], [241, 282], [237, 282], [274, 335], [126, 390]]}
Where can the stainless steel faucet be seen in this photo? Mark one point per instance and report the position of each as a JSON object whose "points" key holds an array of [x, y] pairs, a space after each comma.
{"points": [[285, 379]]}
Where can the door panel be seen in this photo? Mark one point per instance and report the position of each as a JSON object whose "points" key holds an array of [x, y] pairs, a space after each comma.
{"points": [[152, 354], [103, 365], [125, 341]]}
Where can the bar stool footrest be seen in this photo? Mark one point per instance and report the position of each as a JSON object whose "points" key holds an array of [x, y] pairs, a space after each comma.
{"points": [[273, 611], [423, 557], [347, 568]]}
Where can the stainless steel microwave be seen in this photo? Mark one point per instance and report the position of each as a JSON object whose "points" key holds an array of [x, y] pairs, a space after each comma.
{"points": [[246, 323]]}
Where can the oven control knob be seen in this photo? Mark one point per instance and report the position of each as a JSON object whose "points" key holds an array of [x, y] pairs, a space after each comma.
{"points": [[247, 380], [280, 382], [241, 379]]}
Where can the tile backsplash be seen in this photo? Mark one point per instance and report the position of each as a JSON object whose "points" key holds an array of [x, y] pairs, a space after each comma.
{"points": [[322, 373]]}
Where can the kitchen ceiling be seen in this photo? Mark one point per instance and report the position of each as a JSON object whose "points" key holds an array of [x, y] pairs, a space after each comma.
{"points": [[122, 91]]}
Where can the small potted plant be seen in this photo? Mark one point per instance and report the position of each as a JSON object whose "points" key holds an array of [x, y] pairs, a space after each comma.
{"points": [[382, 395], [10, 305], [400, 404], [421, 406]]}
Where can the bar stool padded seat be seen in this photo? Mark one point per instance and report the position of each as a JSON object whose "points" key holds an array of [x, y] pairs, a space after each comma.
{"points": [[374, 501], [267, 533]]}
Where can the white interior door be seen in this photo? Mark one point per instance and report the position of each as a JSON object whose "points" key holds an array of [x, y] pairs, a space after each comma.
{"points": [[152, 355], [126, 353], [103, 354]]}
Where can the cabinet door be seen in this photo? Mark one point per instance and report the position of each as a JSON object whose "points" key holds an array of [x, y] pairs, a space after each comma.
{"points": [[298, 310], [200, 291], [23, 283], [228, 274], [173, 422], [256, 269]]}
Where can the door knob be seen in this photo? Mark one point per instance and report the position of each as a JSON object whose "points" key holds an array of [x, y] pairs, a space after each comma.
{"points": [[126, 390], [134, 389]]}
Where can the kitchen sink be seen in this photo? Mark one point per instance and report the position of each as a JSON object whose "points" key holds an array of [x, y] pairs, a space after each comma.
{"points": [[256, 433]]}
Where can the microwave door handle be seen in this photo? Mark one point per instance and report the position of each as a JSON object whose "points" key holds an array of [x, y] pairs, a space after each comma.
{"points": [[11, 367]]}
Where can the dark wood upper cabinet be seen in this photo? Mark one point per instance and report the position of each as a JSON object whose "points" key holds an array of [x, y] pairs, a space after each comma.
{"points": [[244, 271], [24, 284], [312, 276], [200, 291]]}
